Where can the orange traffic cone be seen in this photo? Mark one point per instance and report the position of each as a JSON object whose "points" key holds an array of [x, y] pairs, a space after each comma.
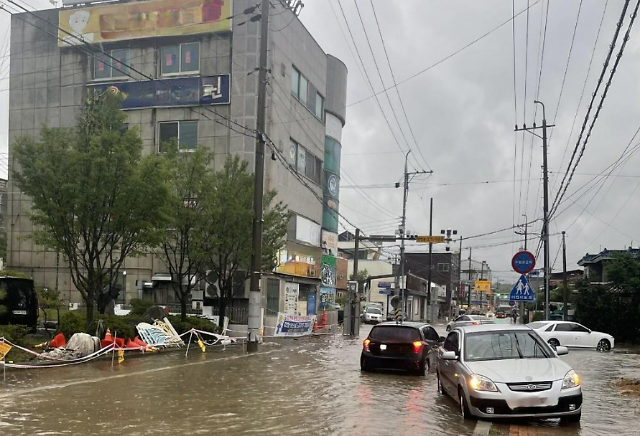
{"points": [[315, 325], [107, 336], [323, 322], [58, 341]]}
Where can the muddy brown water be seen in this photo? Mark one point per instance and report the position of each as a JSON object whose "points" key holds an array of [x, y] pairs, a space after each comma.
{"points": [[310, 386]]}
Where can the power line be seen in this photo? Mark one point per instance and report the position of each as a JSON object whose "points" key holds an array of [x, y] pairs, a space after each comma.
{"points": [[563, 187], [368, 78], [393, 77]]}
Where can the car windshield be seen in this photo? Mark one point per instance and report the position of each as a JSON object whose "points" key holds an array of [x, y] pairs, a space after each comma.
{"points": [[394, 333], [537, 324], [499, 345], [374, 310]]}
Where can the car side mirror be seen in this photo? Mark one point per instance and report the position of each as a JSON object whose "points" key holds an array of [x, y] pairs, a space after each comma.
{"points": [[561, 351], [449, 355], [441, 339]]}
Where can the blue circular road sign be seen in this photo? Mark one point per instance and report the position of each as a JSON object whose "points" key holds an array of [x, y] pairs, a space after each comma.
{"points": [[512, 303], [523, 262]]}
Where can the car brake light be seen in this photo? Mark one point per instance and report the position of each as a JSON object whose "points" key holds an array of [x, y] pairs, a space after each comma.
{"points": [[365, 345], [476, 323], [417, 346]]}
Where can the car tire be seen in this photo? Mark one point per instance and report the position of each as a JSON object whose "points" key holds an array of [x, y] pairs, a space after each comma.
{"points": [[364, 367], [464, 407], [571, 418], [553, 343], [604, 345]]}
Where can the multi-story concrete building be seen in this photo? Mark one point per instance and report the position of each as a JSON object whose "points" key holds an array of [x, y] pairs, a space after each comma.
{"points": [[188, 70]]}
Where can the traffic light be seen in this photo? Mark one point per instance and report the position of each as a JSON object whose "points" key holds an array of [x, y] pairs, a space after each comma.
{"points": [[498, 295]]}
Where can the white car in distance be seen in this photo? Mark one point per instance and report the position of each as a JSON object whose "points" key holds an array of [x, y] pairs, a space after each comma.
{"points": [[572, 334]]}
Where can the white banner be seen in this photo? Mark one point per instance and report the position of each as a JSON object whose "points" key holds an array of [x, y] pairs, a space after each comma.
{"points": [[292, 325], [291, 293]]}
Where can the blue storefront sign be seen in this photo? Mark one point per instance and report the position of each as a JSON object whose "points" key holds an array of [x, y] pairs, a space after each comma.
{"points": [[182, 91]]}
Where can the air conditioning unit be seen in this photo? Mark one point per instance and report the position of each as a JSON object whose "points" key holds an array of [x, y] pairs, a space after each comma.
{"points": [[196, 305]]}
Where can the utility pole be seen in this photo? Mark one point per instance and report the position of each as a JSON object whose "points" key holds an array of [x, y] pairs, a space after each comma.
{"points": [[545, 180], [430, 254], [255, 297], [403, 232], [459, 274], [565, 296], [470, 277], [403, 228]]}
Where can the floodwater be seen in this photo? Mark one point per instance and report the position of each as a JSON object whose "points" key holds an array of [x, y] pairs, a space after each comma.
{"points": [[311, 386]]}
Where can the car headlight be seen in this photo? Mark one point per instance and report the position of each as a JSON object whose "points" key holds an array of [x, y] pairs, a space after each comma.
{"points": [[481, 383], [571, 380]]}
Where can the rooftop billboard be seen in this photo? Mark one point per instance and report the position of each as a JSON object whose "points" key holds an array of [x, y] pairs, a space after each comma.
{"points": [[125, 21]]}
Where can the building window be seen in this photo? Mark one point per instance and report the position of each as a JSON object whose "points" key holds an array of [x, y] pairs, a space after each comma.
{"points": [[184, 132], [305, 92], [295, 82], [443, 267], [180, 58], [112, 63], [273, 296], [305, 162]]}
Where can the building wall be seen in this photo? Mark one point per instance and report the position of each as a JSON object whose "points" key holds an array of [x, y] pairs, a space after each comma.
{"points": [[48, 85]]}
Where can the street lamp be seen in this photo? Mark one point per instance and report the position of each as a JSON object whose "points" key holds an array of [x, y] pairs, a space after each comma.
{"points": [[448, 240]]}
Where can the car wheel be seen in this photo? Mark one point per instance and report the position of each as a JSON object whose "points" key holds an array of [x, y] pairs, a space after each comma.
{"points": [[571, 418], [464, 407], [604, 345], [553, 343], [448, 328], [363, 365]]}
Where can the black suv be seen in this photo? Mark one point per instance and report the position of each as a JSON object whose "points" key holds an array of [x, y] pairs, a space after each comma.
{"points": [[410, 346]]}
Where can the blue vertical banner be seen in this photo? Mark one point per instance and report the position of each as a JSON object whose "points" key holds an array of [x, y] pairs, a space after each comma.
{"points": [[311, 303]]}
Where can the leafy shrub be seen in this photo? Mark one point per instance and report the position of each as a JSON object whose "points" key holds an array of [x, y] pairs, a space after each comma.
{"points": [[538, 316], [193, 322], [70, 323], [14, 333], [139, 306]]}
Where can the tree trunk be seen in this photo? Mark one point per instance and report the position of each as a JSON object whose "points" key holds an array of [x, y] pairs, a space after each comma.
{"points": [[222, 305], [89, 302], [183, 308]]}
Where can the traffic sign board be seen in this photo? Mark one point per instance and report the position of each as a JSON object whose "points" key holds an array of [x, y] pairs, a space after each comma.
{"points": [[521, 291], [512, 303], [385, 291], [523, 262], [430, 239]]}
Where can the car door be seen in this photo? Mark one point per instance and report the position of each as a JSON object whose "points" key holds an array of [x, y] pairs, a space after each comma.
{"points": [[564, 334], [447, 368], [431, 337], [582, 336]]}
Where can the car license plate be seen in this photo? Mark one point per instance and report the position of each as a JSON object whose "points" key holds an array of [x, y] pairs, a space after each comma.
{"points": [[383, 347], [19, 312]]}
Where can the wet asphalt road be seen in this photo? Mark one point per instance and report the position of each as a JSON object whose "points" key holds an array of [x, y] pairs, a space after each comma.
{"points": [[311, 386]]}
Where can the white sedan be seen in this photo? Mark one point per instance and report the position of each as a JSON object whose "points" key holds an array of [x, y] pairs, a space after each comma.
{"points": [[572, 334]]}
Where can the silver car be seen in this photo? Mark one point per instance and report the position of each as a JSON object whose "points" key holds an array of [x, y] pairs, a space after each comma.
{"points": [[463, 320], [507, 371]]}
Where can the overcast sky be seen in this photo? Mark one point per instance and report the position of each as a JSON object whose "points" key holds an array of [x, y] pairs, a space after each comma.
{"points": [[462, 114]]}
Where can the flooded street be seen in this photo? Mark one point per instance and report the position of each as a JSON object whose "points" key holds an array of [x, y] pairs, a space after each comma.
{"points": [[311, 386]]}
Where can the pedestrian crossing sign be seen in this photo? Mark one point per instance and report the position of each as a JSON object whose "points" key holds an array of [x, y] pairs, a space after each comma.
{"points": [[522, 291]]}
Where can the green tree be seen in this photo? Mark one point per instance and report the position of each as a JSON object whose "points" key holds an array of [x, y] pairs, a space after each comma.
{"points": [[362, 277], [95, 199], [182, 249], [228, 205], [49, 299]]}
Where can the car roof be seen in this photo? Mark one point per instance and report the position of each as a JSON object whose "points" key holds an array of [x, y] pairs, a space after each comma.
{"points": [[493, 327], [413, 324]]}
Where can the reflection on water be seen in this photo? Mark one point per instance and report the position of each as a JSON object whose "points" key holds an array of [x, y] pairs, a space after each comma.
{"points": [[311, 387]]}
